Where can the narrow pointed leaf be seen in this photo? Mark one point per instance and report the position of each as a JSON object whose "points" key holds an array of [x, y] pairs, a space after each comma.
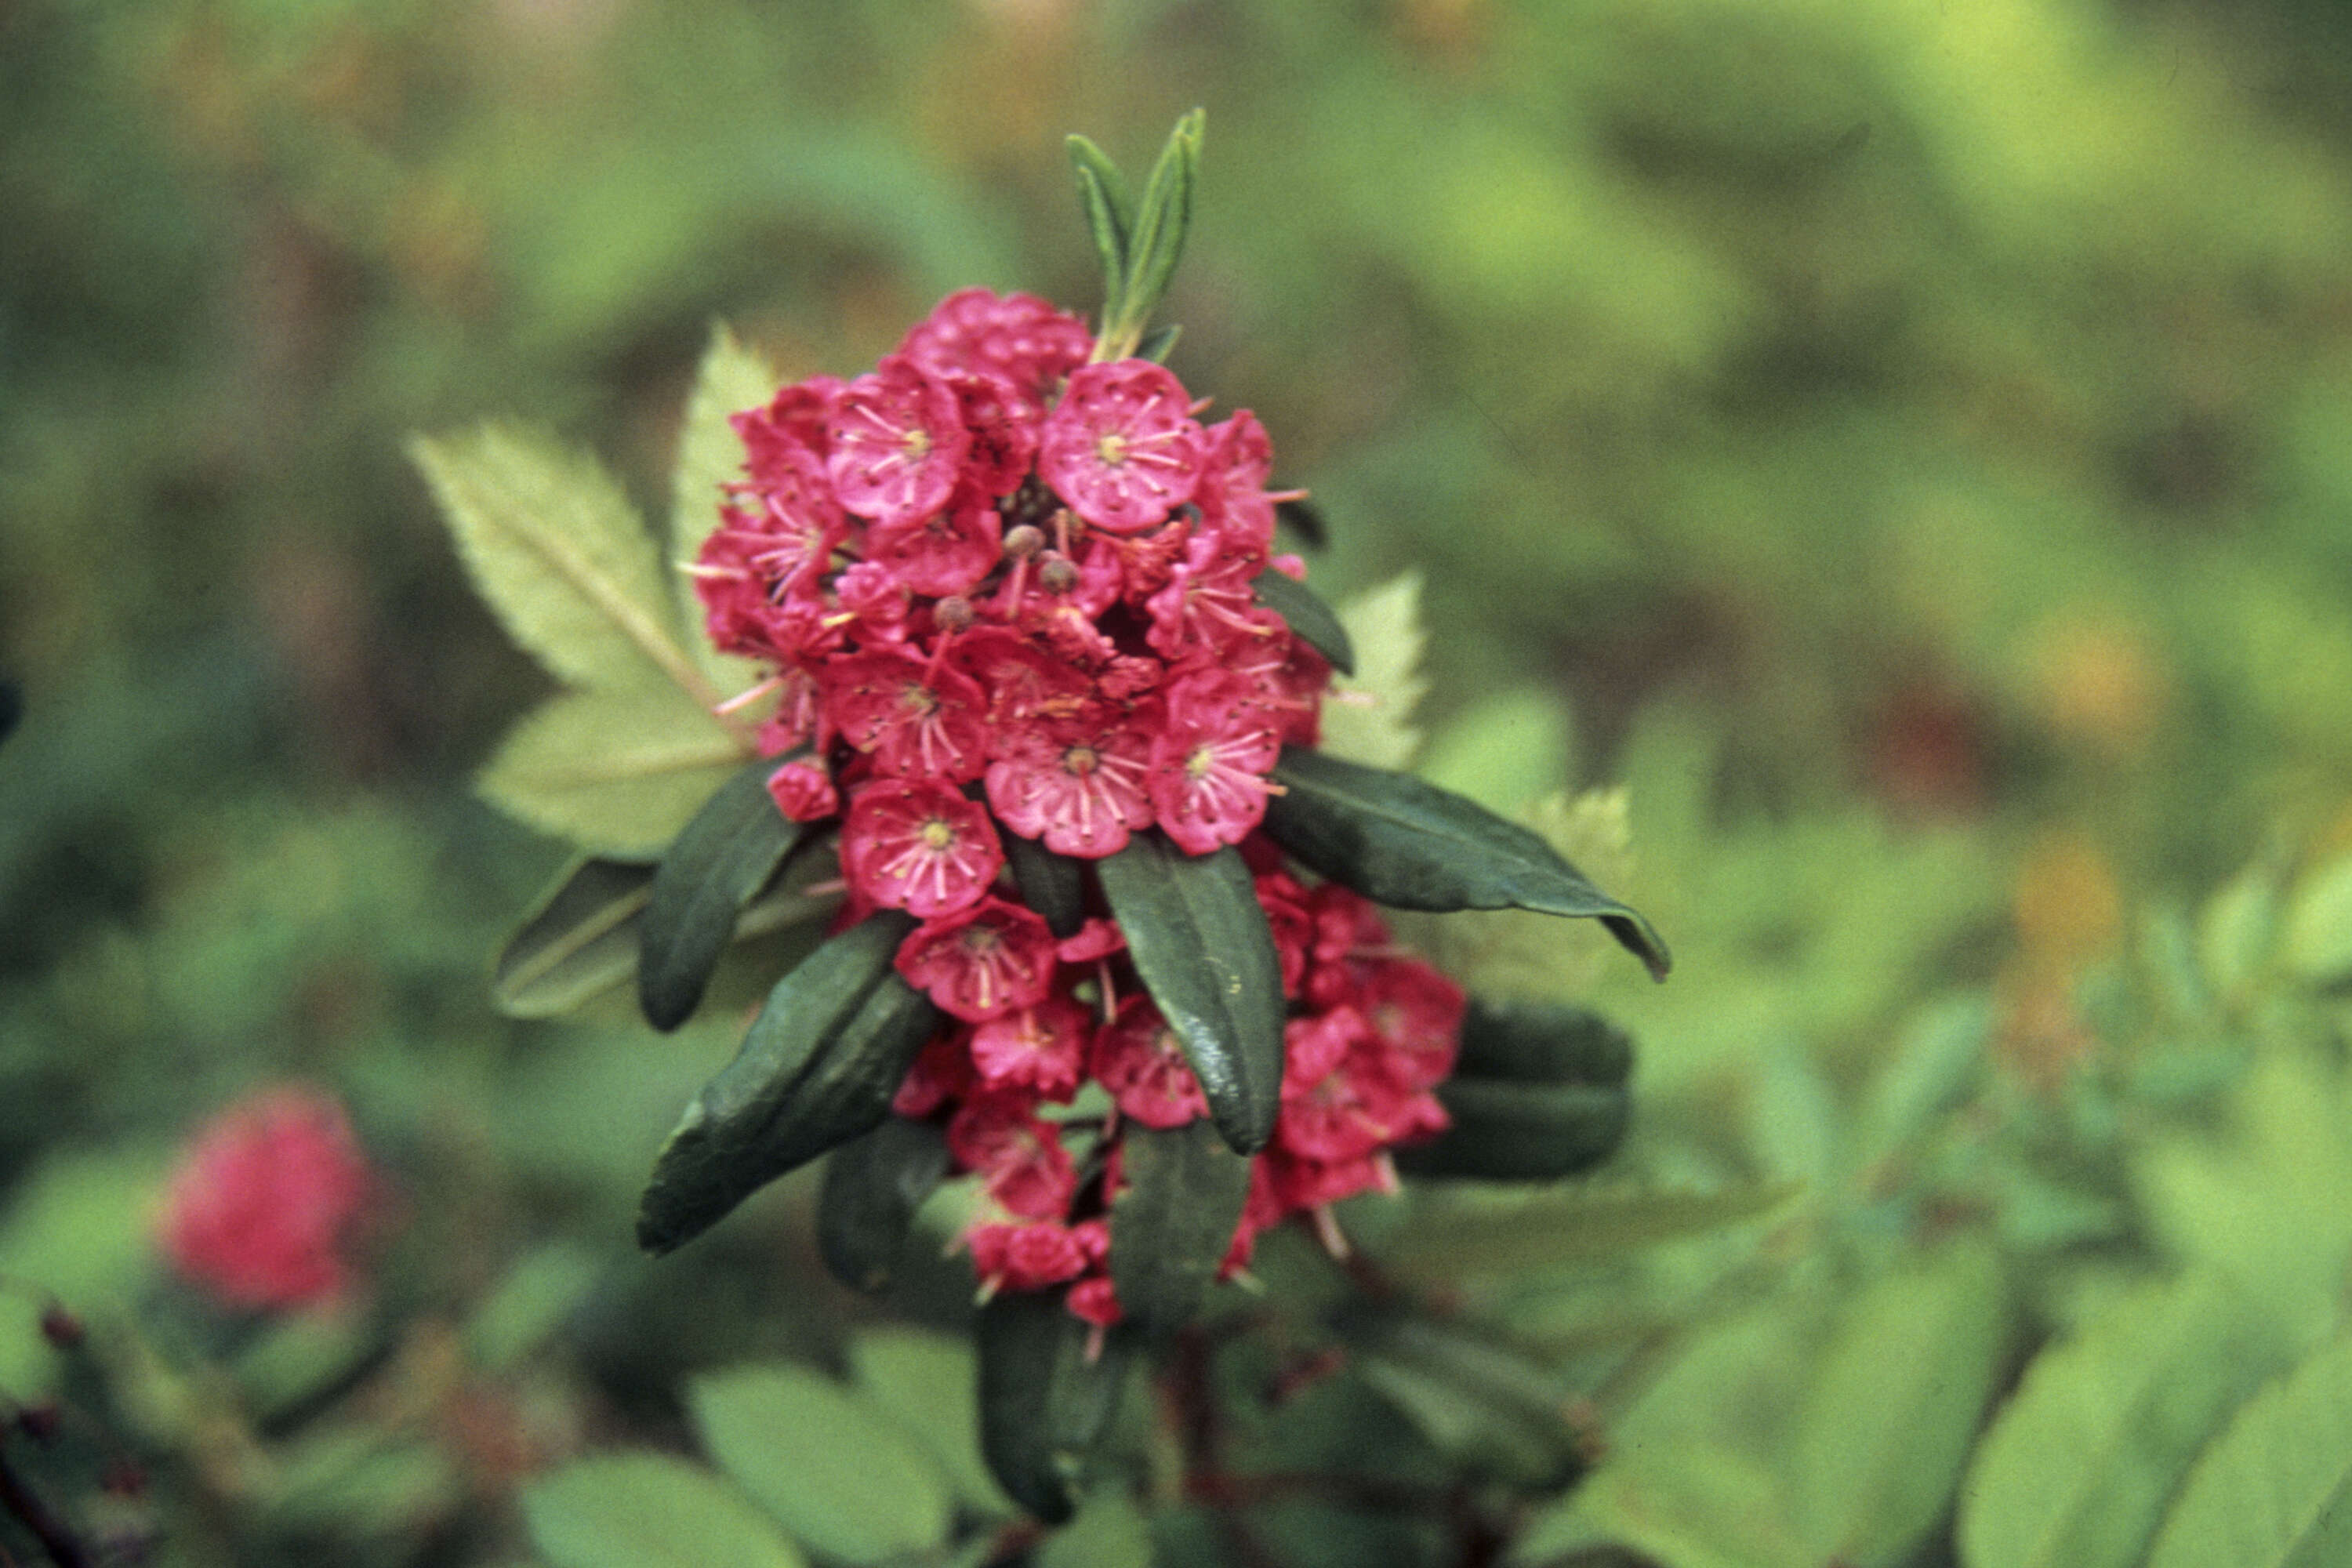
{"points": [[1307, 616], [818, 1068], [1200, 939], [1542, 1042], [1411, 846], [1173, 1223], [1043, 1405], [1162, 220], [731, 378], [2077, 1468], [561, 556], [1110, 240], [1094, 171], [720, 860], [1159, 344], [581, 940], [1051, 884], [1505, 1132], [872, 1186], [2274, 1490], [617, 772]]}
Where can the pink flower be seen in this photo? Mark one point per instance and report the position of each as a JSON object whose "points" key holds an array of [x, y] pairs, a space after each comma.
{"points": [[1139, 1059], [898, 443], [942, 1072], [1232, 494], [949, 551], [1018, 336], [1018, 1157], [915, 844], [1121, 447], [915, 718], [1094, 1299], [982, 962], [1042, 1048], [804, 791], [1027, 1256], [1208, 609], [1415, 1014], [1209, 765], [795, 419], [1079, 785], [260, 1204]]}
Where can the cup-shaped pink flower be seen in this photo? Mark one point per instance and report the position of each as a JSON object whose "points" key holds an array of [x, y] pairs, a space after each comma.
{"points": [[914, 843], [982, 962], [897, 443], [1122, 448]]}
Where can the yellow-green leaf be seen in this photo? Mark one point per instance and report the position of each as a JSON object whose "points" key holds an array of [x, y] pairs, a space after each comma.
{"points": [[562, 558], [1371, 721], [2319, 924], [709, 454], [2275, 1490], [617, 772], [649, 1510], [931, 1383], [1455, 1241]]}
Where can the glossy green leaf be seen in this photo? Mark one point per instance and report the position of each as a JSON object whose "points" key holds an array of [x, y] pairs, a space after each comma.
{"points": [[719, 861], [2274, 1490], [1308, 618], [1053, 885], [1445, 1242], [580, 941], [818, 1068], [1200, 939], [1411, 846], [872, 1186], [840, 1473], [1507, 1132], [1172, 1223], [617, 772], [648, 1510], [931, 1382], [731, 379], [1542, 1042], [1371, 721], [2078, 1465], [1887, 1419], [1044, 1404], [561, 556]]}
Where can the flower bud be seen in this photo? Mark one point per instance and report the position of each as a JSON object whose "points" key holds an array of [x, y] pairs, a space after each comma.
{"points": [[1023, 541], [60, 1328]]}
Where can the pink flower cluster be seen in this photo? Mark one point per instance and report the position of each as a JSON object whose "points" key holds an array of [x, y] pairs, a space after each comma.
{"points": [[1005, 589], [260, 1206]]}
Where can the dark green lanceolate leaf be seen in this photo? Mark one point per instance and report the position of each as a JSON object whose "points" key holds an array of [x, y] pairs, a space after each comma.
{"points": [[579, 941], [1543, 1042], [1472, 1397], [1044, 1402], [872, 1186], [1521, 1131], [818, 1068], [719, 862], [1411, 846], [1051, 884], [1307, 616], [1200, 939], [1173, 1222], [1306, 520]]}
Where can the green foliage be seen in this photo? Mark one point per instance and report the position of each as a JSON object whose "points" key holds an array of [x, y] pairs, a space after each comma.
{"points": [[649, 1510], [2271, 1490]]}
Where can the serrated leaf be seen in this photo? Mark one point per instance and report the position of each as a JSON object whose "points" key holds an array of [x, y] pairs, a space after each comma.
{"points": [[872, 1186], [931, 1382], [562, 558], [1173, 1220], [1371, 721], [1449, 1241], [1887, 1419], [840, 1473], [617, 772], [1521, 1131], [1411, 846], [2274, 1490], [720, 860], [1308, 617], [648, 1510], [1045, 1401], [1200, 939], [579, 941], [731, 379], [818, 1068], [2076, 1468], [2318, 938]]}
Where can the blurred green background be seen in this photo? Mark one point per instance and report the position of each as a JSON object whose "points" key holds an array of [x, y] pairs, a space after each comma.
{"points": [[1909, 443]]}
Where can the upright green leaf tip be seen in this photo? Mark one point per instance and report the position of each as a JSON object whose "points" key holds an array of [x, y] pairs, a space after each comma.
{"points": [[1140, 251]]}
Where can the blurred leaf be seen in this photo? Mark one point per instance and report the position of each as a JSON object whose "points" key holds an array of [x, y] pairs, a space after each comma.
{"points": [[1449, 1241], [579, 941], [731, 380], [2077, 1466], [1505, 1132], [563, 557], [1939, 1055], [2319, 924], [530, 1306], [1109, 1533], [360, 1482], [2238, 929], [1705, 1506], [931, 1383], [300, 1356], [728, 850], [1886, 1422], [841, 1475], [617, 772], [1503, 752], [1200, 939], [1374, 726], [648, 1510], [1049, 1385], [1172, 1222], [1479, 1401], [79, 1226], [2274, 1490]]}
